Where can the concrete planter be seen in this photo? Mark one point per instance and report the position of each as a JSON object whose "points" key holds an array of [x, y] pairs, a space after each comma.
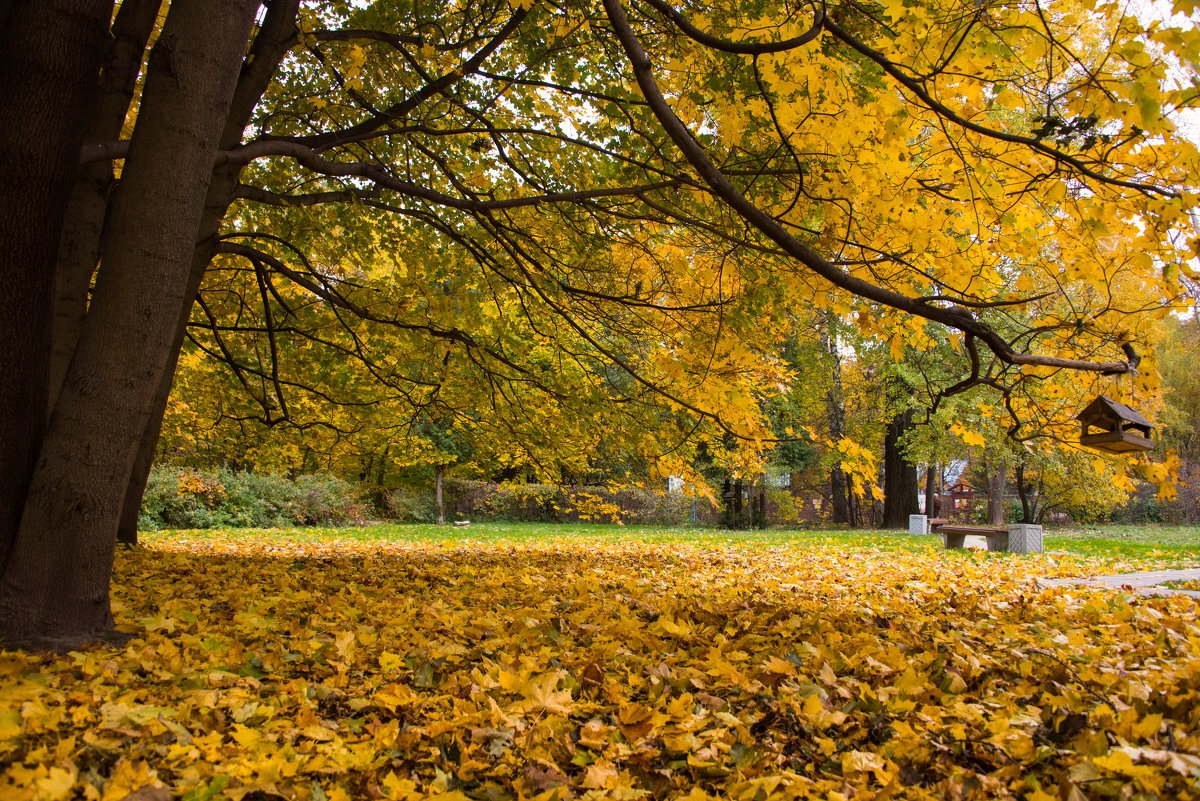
{"points": [[1024, 538]]}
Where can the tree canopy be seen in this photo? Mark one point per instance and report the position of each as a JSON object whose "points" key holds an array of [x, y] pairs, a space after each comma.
{"points": [[604, 215]]}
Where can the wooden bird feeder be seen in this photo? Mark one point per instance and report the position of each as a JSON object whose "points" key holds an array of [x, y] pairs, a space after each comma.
{"points": [[1114, 427]]}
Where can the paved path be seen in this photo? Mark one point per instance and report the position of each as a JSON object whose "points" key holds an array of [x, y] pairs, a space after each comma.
{"points": [[1141, 583]]}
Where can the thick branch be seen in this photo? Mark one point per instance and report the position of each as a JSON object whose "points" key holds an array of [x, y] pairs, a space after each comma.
{"points": [[307, 157], [268, 198], [743, 48]]}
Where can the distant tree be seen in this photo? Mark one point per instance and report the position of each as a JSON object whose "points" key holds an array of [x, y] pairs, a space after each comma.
{"points": [[900, 482], [1179, 364]]}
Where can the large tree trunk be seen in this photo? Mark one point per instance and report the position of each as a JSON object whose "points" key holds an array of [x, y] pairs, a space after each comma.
{"points": [[55, 584], [270, 46], [79, 246], [900, 483], [50, 54], [143, 461], [79, 251]]}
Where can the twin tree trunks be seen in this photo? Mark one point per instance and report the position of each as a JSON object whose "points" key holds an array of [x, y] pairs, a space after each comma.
{"points": [[61, 516]]}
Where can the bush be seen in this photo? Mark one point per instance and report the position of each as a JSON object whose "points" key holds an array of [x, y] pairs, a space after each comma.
{"points": [[410, 506], [525, 503], [327, 500], [1183, 509], [783, 509], [225, 498], [552, 503], [1141, 507]]}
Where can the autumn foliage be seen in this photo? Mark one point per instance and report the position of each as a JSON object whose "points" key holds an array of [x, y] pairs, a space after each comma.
{"points": [[280, 664], [538, 230]]}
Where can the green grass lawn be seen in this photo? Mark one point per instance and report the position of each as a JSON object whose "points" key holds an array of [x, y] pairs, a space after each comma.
{"points": [[1110, 539]]}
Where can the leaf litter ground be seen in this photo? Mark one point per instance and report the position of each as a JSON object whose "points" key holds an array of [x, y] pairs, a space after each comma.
{"points": [[274, 665]]}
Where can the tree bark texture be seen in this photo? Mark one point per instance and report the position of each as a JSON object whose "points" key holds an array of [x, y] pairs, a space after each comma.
{"points": [[270, 46], [79, 245], [900, 482], [930, 488], [996, 482], [55, 583], [50, 53], [1029, 500], [441, 471], [839, 487]]}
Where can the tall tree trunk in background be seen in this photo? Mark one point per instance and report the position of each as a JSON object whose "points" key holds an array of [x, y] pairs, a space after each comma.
{"points": [[930, 488], [55, 584], [839, 487], [379, 496], [50, 54], [1030, 501], [839, 494], [996, 480], [900, 484], [270, 46], [441, 471]]}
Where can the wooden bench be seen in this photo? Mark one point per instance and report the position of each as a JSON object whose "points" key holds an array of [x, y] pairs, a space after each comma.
{"points": [[954, 536]]}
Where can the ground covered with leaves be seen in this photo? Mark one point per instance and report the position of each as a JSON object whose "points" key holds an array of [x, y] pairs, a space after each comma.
{"points": [[273, 665]]}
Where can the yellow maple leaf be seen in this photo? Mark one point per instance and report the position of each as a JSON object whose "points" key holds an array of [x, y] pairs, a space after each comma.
{"points": [[540, 693], [318, 733], [56, 784], [509, 681], [247, 737], [601, 775], [861, 761], [10, 724]]}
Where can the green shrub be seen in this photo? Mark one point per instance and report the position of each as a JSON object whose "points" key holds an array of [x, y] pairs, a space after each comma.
{"points": [[524, 503], [327, 500], [184, 498], [552, 503], [410, 506]]}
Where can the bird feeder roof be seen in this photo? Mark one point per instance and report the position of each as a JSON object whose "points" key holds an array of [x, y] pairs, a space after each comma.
{"points": [[1104, 409]]}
